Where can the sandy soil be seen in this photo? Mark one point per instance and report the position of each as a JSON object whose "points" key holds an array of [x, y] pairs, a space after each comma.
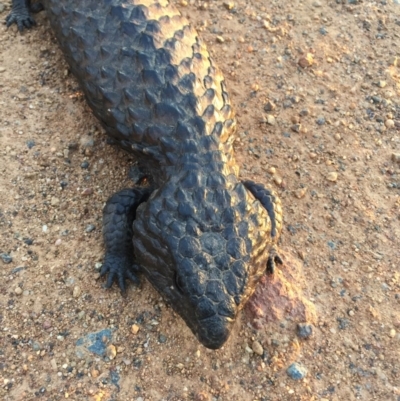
{"points": [[316, 87]]}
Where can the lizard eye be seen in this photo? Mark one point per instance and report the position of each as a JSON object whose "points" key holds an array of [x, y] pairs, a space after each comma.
{"points": [[178, 283]]}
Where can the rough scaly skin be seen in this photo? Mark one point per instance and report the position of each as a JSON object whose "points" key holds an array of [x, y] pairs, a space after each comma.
{"points": [[203, 238]]}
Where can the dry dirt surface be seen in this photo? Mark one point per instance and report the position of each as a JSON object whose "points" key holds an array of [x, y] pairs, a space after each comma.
{"points": [[316, 87]]}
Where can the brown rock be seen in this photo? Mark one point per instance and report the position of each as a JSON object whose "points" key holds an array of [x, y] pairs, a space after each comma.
{"points": [[306, 61], [111, 351], [47, 325], [280, 296], [87, 191], [135, 329]]}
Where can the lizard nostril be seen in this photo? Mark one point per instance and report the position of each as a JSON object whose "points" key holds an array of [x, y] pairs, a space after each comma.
{"points": [[178, 282]]}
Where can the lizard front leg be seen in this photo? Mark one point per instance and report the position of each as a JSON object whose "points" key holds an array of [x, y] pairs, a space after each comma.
{"points": [[21, 14], [118, 216], [272, 204]]}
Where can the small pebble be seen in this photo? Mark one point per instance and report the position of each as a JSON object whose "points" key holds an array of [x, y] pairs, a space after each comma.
{"points": [[28, 241], [306, 61], [36, 346], [111, 352], [6, 258], [220, 39], [396, 157], [85, 165], [300, 193], [87, 191], [53, 364], [323, 31], [332, 176], [18, 290], [89, 228], [2, 69], [320, 120], [229, 6], [30, 143], [389, 123], [376, 99], [269, 106], [304, 330], [257, 348], [76, 292], [162, 339], [297, 371], [296, 128], [277, 180], [135, 328], [271, 119], [248, 349], [392, 333], [47, 325], [54, 201]]}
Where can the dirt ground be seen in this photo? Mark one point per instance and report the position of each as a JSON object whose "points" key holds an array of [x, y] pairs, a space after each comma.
{"points": [[316, 88]]}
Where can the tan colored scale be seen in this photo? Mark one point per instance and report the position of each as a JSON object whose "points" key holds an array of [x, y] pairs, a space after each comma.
{"points": [[208, 76]]}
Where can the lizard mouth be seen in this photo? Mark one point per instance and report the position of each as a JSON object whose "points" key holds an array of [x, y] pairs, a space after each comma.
{"points": [[215, 331]]}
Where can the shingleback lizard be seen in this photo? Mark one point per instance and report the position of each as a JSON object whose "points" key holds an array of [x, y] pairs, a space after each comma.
{"points": [[202, 236]]}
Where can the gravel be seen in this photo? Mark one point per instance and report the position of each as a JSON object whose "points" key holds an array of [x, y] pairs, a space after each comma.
{"points": [[304, 330], [297, 371], [6, 258]]}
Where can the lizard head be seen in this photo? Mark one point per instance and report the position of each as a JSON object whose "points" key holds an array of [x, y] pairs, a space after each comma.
{"points": [[202, 241]]}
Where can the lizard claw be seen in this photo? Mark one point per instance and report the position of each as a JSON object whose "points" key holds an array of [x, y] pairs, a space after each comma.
{"points": [[22, 18], [118, 269], [273, 260]]}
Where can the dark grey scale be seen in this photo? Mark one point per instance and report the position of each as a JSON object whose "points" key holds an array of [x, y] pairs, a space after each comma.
{"points": [[218, 126], [186, 83], [138, 13], [177, 229], [193, 228], [209, 112], [223, 261], [208, 81], [222, 197], [236, 248], [194, 231], [212, 243], [215, 291], [203, 261], [230, 231], [205, 308]]}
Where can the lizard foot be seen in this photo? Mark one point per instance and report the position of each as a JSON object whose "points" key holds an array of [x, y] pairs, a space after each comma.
{"points": [[21, 14], [118, 215], [273, 260], [21, 17], [118, 269]]}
